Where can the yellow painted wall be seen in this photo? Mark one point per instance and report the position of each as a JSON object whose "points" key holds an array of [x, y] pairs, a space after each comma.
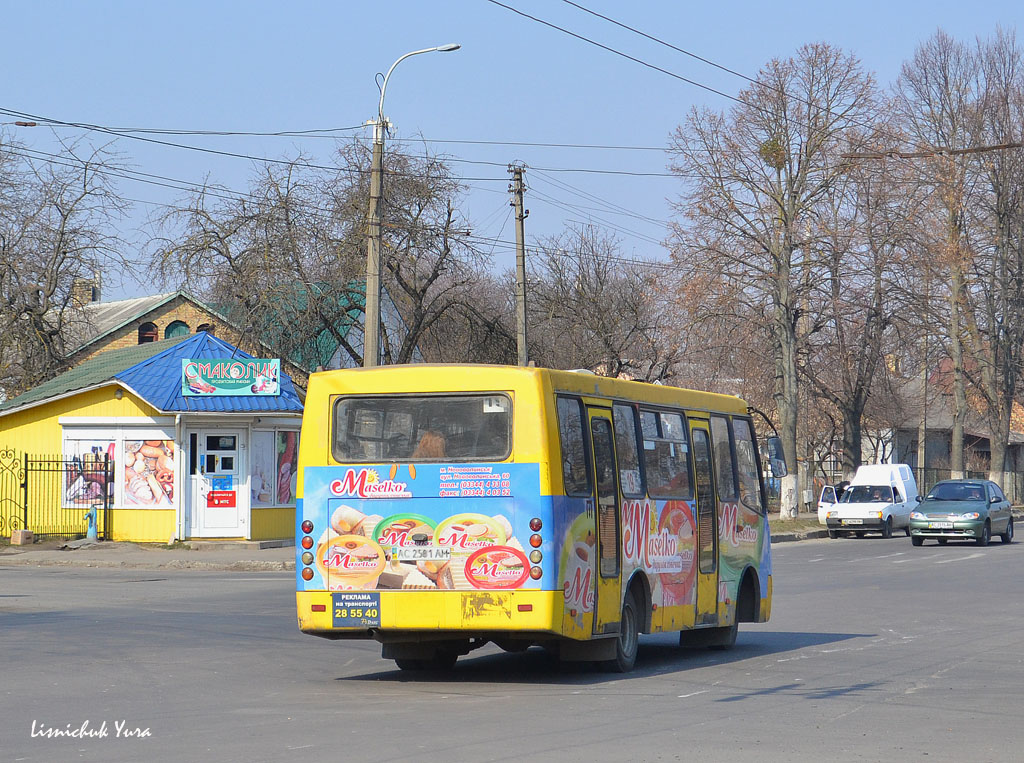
{"points": [[141, 525], [37, 432], [272, 523]]}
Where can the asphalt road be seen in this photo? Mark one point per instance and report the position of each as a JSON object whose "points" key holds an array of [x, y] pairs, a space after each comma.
{"points": [[875, 651]]}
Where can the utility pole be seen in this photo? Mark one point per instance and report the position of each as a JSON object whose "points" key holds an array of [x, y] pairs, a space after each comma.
{"points": [[371, 323], [516, 189]]}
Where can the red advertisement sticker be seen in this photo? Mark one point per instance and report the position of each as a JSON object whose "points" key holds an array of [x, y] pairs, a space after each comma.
{"points": [[497, 567]]}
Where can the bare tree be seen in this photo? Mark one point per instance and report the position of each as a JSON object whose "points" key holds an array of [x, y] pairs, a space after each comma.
{"points": [[273, 261], [754, 177], [591, 308], [936, 99], [994, 296], [862, 236], [57, 226], [286, 261]]}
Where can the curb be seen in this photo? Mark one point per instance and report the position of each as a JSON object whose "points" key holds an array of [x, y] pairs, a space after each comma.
{"points": [[807, 535], [174, 564]]}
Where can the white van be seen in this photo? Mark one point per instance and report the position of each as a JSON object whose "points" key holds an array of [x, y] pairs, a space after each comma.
{"points": [[879, 498]]}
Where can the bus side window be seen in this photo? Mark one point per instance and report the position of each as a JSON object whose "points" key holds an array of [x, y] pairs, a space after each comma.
{"points": [[666, 455], [746, 465], [724, 468], [627, 451], [574, 457]]}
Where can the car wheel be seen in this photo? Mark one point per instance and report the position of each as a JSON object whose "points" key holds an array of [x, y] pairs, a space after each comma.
{"points": [[405, 663], [943, 541], [917, 540], [907, 530], [1007, 537], [887, 528], [986, 535], [833, 534], [628, 640]]}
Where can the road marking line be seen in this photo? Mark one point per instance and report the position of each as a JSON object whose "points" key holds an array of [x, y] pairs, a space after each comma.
{"points": [[961, 559], [687, 696], [887, 556]]}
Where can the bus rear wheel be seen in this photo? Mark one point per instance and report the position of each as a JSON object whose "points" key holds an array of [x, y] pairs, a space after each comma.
{"points": [[628, 641], [443, 660]]}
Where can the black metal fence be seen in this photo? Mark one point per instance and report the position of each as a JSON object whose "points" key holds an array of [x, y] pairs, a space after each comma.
{"points": [[52, 496]]}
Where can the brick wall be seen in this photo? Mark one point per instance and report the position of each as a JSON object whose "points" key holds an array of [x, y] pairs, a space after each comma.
{"points": [[182, 309]]}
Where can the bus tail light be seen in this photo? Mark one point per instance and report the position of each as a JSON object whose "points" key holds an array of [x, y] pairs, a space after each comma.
{"points": [[536, 573], [307, 573], [307, 526], [536, 524], [536, 540], [307, 541]]}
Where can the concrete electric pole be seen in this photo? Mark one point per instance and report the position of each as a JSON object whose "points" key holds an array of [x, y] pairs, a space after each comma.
{"points": [[371, 328], [516, 188]]}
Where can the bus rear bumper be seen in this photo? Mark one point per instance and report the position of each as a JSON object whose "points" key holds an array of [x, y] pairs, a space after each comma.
{"points": [[413, 615]]}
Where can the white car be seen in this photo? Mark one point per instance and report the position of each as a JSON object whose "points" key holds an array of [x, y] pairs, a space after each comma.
{"points": [[870, 508]]}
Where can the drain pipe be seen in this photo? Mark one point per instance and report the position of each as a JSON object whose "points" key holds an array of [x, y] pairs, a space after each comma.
{"points": [[179, 482]]}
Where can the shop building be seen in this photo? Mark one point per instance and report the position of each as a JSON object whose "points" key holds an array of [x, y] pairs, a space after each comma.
{"points": [[201, 440]]}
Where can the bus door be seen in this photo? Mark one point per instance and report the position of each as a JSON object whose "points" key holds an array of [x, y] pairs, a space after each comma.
{"points": [[707, 525], [608, 587]]}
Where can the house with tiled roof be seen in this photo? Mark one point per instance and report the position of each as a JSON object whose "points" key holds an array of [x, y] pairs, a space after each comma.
{"points": [[198, 440]]}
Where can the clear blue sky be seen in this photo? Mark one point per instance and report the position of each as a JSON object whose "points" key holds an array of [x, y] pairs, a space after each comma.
{"points": [[268, 66]]}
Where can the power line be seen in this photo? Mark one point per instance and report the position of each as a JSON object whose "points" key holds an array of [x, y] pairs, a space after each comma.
{"points": [[661, 42], [634, 59], [929, 153], [250, 157], [312, 165], [669, 45]]}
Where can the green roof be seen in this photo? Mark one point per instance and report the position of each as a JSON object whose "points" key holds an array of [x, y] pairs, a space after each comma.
{"points": [[101, 368], [274, 325]]}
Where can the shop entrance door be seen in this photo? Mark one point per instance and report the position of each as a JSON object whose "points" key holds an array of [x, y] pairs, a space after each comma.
{"points": [[218, 500]]}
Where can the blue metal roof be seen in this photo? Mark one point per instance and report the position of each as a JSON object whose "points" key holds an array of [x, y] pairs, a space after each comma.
{"points": [[158, 381]]}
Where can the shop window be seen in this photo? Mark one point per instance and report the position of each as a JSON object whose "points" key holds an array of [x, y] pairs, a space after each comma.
{"points": [[175, 328], [88, 463], [273, 469], [148, 333], [142, 460]]}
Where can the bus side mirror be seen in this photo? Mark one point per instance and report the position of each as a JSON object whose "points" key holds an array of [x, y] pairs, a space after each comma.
{"points": [[776, 457]]}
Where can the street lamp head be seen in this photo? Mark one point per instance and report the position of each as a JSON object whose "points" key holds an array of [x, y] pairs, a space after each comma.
{"points": [[384, 86]]}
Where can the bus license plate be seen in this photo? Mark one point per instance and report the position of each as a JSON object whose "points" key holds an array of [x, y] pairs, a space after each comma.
{"points": [[421, 553], [941, 525], [853, 521], [356, 610]]}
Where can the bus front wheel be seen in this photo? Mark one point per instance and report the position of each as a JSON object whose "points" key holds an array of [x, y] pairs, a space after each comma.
{"points": [[628, 640]]}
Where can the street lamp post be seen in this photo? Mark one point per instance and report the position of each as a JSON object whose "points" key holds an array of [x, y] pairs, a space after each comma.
{"points": [[371, 336]]}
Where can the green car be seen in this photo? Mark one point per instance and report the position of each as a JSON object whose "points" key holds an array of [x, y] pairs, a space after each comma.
{"points": [[970, 509]]}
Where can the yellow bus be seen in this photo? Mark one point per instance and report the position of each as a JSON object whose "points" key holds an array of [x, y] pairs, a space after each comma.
{"points": [[442, 507]]}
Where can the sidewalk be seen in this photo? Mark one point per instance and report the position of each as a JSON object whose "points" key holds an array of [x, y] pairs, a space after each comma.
{"points": [[232, 557], [224, 556]]}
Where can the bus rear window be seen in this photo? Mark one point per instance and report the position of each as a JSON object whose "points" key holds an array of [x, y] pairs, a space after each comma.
{"points": [[420, 428]]}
